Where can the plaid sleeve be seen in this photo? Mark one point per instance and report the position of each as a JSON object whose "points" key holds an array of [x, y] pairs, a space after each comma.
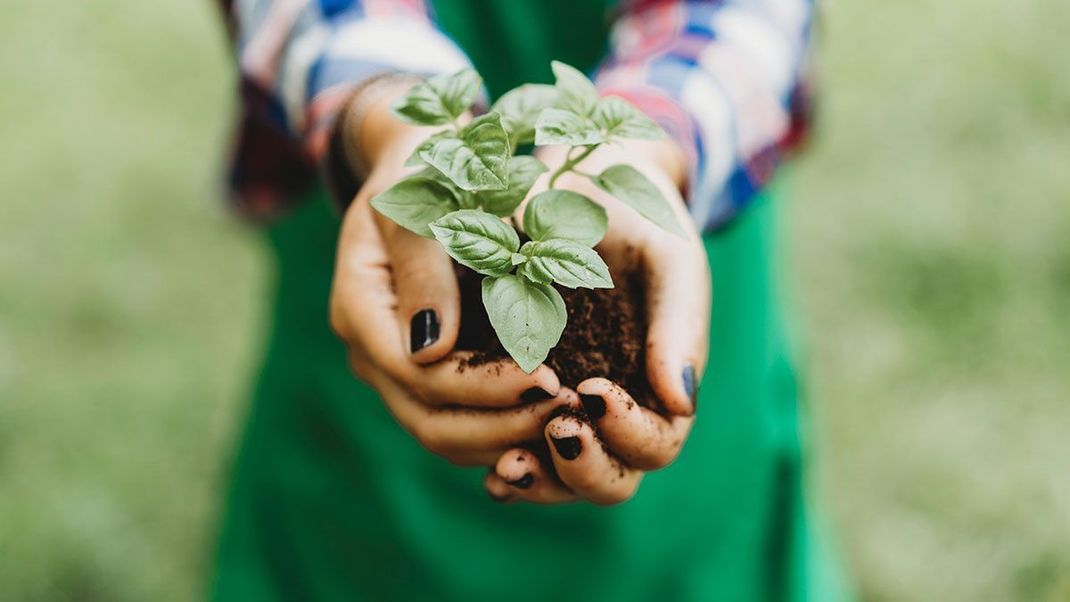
{"points": [[300, 60], [727, 79]]}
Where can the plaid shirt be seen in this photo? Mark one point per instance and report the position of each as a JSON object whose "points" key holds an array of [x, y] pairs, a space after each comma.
{"points": [[725, 78]]}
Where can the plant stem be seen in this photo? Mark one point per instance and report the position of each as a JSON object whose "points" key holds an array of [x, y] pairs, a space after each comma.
{"points": [[571, 162]]}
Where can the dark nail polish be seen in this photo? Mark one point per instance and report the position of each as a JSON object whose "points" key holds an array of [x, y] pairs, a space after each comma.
{"points": [[423, 330], [689, 384], [568, 447], [535, 394], [523, 482], [594, 405]]}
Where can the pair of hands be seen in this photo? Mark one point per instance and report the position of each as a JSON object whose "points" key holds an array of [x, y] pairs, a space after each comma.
{"points": [[395, 302]]}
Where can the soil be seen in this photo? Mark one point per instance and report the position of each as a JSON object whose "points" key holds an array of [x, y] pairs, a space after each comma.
{"points": [[605, 335]]}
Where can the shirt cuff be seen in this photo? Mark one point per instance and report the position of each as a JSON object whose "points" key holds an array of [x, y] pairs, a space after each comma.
{"points": [[355, 54]]}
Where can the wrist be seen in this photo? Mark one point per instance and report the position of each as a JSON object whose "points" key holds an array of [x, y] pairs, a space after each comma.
{"points": [[369, 131], [666, 155]]}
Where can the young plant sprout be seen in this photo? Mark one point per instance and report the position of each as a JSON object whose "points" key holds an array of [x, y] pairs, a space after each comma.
{"points": [[472, 178]]}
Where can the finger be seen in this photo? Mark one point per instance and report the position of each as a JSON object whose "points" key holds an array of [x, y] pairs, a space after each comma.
{"points": [[459, 432], [522, 471], [363, 314], [678, 313], [361, 291], [428, 298], [498, 489], [640, 437], [461, 381], [363, 299], [584, 466]]}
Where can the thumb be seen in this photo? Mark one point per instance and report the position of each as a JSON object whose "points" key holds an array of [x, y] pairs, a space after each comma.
{"points": [[678, 313], [429, 301]]}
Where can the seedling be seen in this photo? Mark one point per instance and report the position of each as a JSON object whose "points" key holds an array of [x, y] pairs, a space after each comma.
{"points": [[472, 178]]}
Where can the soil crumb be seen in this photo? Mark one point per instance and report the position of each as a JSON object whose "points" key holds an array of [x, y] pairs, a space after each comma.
{"points": [[605, 335]]}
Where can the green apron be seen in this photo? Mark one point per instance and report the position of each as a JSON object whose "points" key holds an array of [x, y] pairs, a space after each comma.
{"points": [[332, 500]]}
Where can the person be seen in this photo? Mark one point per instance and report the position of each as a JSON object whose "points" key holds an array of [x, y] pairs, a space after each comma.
{"points": [[369, 488]]}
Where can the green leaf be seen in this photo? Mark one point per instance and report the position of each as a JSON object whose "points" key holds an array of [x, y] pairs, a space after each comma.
{"points": [[439, 99], [477, 240], [463, 199], [523, 171], [575, 92], [475, 159], [565, 214], [527, 317], [558, 126], [636, 191], [414, 159], [520, 108], [619, 119], [415, 202], [565, 262]]}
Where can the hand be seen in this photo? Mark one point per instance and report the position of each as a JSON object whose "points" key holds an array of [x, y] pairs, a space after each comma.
{"points": [[632, 439], [604, 470], [396, 304]]}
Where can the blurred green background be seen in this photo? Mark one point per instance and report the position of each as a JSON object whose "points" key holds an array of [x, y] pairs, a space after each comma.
{"points": [[926, 242]]}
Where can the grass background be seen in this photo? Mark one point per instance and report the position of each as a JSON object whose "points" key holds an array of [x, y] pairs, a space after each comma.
{"points": [[926, 243]]}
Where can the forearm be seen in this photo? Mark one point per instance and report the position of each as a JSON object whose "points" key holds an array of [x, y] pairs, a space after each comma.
{"points": [[365, 134], [301, 64], [725, 79]]}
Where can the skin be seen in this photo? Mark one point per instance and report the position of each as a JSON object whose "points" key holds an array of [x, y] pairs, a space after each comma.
{"points": [[632, 439], [475, 417]]}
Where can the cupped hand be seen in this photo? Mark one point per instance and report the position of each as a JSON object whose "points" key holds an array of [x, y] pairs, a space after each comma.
{"points": [[395, 303], [603, 468], [631, 439]]}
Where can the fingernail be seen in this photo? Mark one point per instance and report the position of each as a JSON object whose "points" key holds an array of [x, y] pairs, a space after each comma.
{"points": [[523, 482], [689, 385], [423, 330], [535, 394], [594, 405], [568, 447]]}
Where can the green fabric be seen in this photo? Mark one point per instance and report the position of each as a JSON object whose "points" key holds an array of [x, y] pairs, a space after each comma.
{"points": [[332, 500], [513, 41]]}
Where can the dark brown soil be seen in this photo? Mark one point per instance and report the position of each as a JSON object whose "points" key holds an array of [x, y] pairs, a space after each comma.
{"points": [[605, 335]]}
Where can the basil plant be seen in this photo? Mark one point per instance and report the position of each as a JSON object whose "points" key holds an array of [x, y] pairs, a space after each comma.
{"points": [[472, 179]]}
